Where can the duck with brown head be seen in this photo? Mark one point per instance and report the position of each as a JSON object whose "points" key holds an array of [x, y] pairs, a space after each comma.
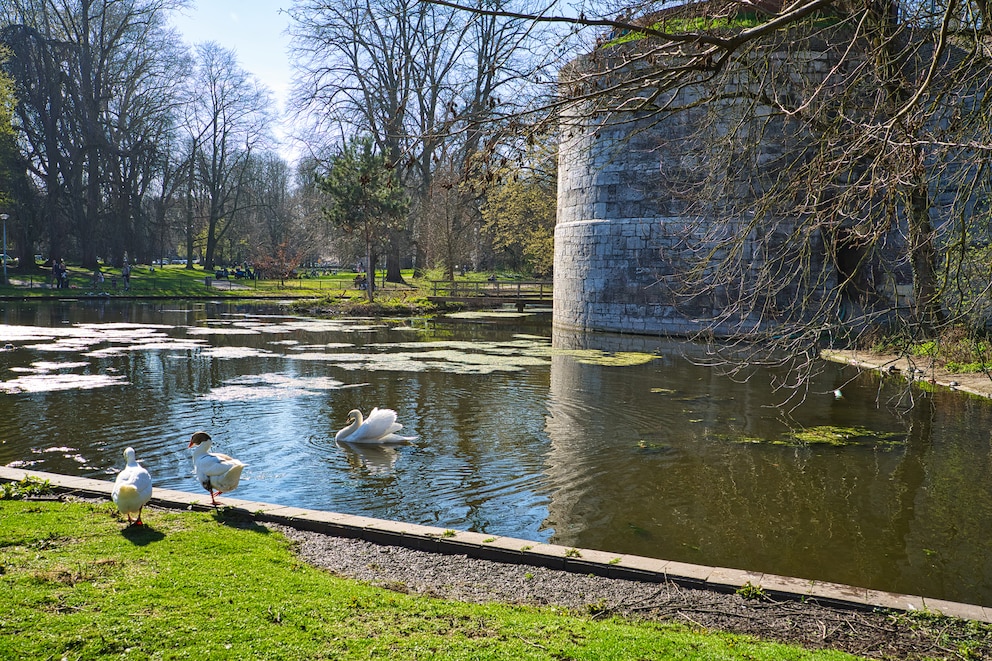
{"points": [[218, 473]]}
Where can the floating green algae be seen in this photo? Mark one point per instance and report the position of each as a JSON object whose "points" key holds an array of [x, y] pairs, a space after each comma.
{"points": [[826, 435], [607, 359], [487, 314], [841, 436]]}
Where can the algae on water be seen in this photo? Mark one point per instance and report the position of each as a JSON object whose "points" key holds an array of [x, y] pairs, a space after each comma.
{"points": [[827, 435], [607, 359]]}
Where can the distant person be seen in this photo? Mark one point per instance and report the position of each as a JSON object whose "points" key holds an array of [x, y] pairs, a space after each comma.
{"points": [[126, 276], [63, 279]]}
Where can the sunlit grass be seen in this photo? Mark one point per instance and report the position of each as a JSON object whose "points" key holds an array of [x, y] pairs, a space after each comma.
{"points": [[174, 280], [310, 292], [957, 349], [78, 584]]}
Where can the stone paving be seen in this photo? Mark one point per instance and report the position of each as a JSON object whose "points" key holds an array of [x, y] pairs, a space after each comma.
{"points": [[525, 552]]}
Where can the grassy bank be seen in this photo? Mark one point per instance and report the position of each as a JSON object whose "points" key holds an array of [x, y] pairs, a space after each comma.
{"points": [[321, 292], [175, 280], [77, 584]]}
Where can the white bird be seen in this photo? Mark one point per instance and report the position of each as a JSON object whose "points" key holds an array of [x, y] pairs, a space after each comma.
{"points": [[218, 473], [132, 488], [379, 427]]}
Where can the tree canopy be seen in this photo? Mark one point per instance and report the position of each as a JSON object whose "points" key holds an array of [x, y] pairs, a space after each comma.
{"points": [[519, 213]]}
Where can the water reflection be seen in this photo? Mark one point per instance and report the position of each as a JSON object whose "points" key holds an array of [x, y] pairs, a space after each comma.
{"points": [[669, 475], [606, 442]]}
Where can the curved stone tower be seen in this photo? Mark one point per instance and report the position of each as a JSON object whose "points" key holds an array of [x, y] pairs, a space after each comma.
{"points": [[657, 231]]}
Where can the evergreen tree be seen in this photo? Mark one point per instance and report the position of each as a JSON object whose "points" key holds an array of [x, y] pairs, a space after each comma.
{"points": [[364, 198]]}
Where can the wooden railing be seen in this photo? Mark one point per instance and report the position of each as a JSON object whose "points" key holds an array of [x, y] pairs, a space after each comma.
{"points": [[533, 291], [492, 292]]}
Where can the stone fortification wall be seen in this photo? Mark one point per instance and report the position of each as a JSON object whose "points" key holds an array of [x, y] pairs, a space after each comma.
{"points": [[630, 222]]}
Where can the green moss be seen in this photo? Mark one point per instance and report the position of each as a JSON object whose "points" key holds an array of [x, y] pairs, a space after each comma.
{"points": [[842, 436], [824, 435], [607, 359]]}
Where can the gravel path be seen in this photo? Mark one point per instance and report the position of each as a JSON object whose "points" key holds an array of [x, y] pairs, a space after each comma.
{"points": [[875, 635]]}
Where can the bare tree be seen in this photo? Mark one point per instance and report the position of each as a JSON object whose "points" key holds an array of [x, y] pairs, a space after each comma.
{"points": [[89, 78], [276, 222], [424, 81], [228, 120]]}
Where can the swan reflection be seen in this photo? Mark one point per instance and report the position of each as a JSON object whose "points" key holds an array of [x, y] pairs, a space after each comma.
{"points": [[377, 459]]}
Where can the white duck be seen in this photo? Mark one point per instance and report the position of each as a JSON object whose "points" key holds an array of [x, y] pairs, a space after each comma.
{"points": [[218, 473], [379, 427], [132, 488]]}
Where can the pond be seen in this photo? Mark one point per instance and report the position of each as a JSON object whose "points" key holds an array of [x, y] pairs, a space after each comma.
{"points": [[606, 442]]}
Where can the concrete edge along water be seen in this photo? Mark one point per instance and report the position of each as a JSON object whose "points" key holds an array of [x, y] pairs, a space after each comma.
{"points": [[525, 552]]}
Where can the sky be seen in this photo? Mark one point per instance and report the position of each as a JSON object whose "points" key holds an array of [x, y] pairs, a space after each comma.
{"points": [[255, 30]]}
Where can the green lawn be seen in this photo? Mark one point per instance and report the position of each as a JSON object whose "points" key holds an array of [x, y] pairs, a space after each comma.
{"points": [[77, 584], [178, 281]]}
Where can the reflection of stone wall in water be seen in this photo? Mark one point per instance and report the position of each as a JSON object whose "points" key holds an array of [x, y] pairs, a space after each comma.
{"points": [[648, 461], [631, 222], [604, 486]]}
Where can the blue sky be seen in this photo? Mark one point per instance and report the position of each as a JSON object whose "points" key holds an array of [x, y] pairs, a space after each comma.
{"points": [[254, 29]]}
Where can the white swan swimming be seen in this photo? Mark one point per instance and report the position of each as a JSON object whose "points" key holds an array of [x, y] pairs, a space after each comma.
{"points": [[132, 488], [218, 473], [379, 427]]}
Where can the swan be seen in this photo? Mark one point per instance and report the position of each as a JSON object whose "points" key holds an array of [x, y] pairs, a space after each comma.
{"points": [[218, 473], [132, 488], [379, 427]]}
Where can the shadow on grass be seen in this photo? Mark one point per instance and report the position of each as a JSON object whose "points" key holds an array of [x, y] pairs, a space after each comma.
{"points": [[142, 535], [235, 517]]}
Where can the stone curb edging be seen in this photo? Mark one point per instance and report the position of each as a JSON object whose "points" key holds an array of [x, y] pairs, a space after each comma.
{"points": [[524, 552]]}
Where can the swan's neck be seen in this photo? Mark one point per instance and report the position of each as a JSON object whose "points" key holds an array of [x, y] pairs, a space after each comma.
{"points": [[350, 429]]}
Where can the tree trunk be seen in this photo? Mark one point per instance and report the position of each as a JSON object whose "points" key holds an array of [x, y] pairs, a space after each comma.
{"points": [[189, 219], [369, 271], [393, 272], [927, 305]]}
